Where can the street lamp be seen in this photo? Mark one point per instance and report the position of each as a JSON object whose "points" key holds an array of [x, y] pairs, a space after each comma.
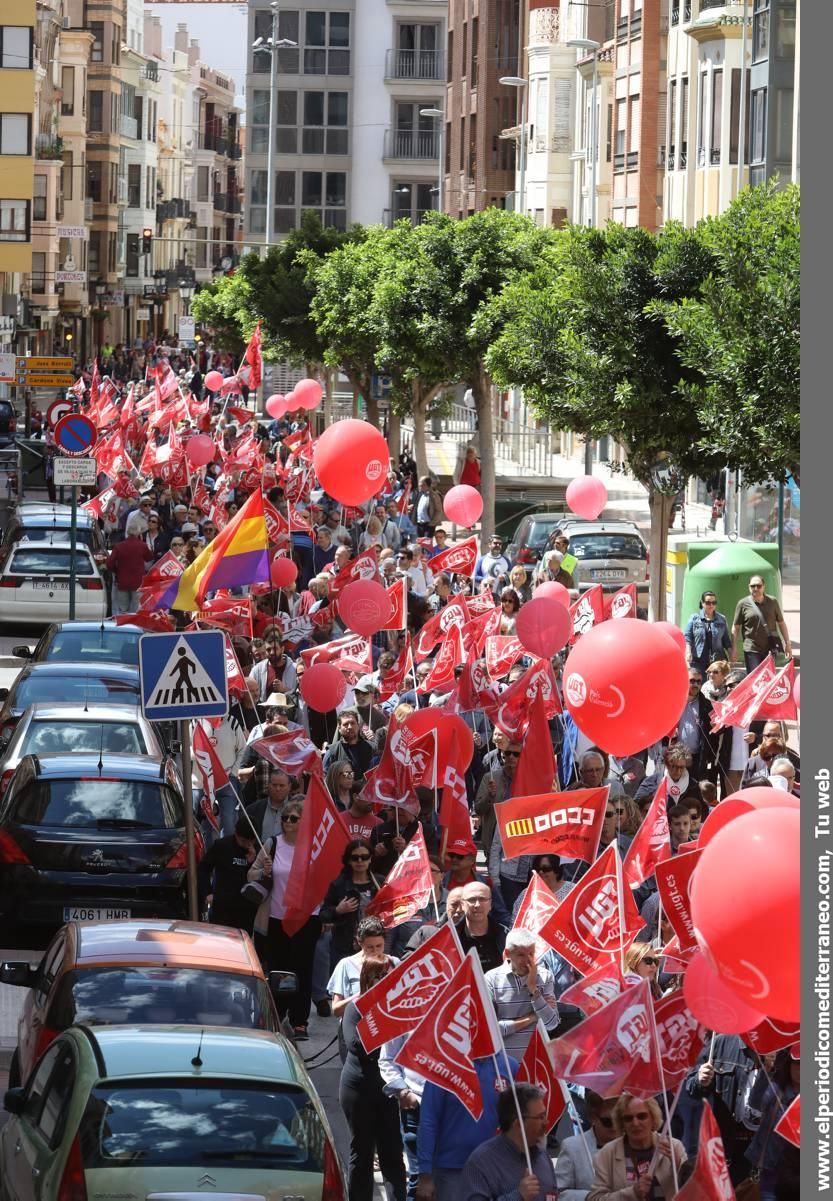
{"points": [[594, 47], [186, 291], [516, 81], [271, 46], [439, 115]]}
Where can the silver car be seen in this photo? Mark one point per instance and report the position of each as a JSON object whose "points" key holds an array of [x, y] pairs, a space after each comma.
{"points": [[610, 553], [50, 728]]}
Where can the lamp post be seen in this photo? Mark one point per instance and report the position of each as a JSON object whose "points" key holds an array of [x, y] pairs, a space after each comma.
{"points": [[594, 47], [186, 291], [516, 81], [439, 115], [271, 46], [666, 482]]}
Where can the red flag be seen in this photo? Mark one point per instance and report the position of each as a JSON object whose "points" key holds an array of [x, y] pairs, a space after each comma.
{"points": [[536, 908], [364, 567], [234, 673], [398, 678], [402, 503], [587, 611], [479, 629], [104, 505], [398, 597], [475, 691], [454, 613], [680, 1034], [586, 929], [460, 1027], [710, 1180], [483, 603], [163, 570], [450, 656], [254, 359], [514, 703], [536, 772], [536, 1069], [789, 1124], [351, 647], [459, 558], [158, 622], [674, 887], [208, 764], [729, 712], [652, 842], [277, 527], [292, 751], [229, 613], [95, 384], [319, 846], [398, 1002], [773, 1034], [405, 761], [502, 651], [407, 887], [111, 455], [775, 701], [553, 823], [596, 990], [621, 604], [613, 1050]]}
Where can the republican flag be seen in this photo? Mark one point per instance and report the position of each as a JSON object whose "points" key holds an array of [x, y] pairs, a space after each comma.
{"points": [[652, 842], [454, 613], [568, 824], [502, 652], [292, 751], [674, 887], [789, 1123], [237, 556], [680, 1036], [459, 559], [514, 703], [595, 991], [212, 772], [536, 1069], [460, 1027], [621, 604], [536, 908], [710, 1180], [587, 611], [398, 1003], [407, 888], [398, 597], [319, 846], [598, 920], [613, 1050], [537, 771]]}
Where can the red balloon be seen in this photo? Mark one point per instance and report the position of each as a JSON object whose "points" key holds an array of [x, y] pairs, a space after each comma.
{"points": [[307, 393], [364, 606], [557, 591], [283, 571], [713, 1003], [199, 450], [754, 941], [626, 684], [745, 801], [455, 742], [351, 461], [673, 632], [276, 406], [543, 626], [323, 687], [463, 505], [586, 496], [214, 381]]}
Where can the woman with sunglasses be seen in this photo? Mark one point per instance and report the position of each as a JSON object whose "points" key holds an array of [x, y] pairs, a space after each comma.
{"points": [[348, 897], [707, 634], [277, 949], [340, 780], [574, 1167], [637, 1163], [642, 963], [510, 603]]}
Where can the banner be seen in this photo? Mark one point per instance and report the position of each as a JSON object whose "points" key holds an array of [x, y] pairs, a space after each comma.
{"points": [[621, 604], [454, 613], [319, 846], [587, 611], [681, 1036], [674, 886], [596, 990], [710, 1180], [536, 908], [568, 824], [408, 886], [459, 559]]}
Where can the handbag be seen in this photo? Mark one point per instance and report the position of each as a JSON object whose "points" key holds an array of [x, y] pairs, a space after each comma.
{"points": [[748, 1189], [256, 891]]}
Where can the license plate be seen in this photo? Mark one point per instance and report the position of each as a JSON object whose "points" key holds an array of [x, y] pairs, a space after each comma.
{"points": [[73, 914], [610, 574], [52, 585]]}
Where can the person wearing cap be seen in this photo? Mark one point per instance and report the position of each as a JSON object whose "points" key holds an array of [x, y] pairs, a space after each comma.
{"points": [[136, 521], [493, 565], [366, 690]]}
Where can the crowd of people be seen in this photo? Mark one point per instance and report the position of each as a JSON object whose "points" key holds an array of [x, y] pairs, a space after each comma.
{"points": [[427, 1144]]}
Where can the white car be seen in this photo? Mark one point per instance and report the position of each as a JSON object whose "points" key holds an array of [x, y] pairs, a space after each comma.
{"points": [[34, 584]]}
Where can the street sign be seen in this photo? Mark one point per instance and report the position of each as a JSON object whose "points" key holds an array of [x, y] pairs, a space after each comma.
{"points": [[75, 434], [187, 328], [183, 675], [73, 231], [57, 410], [44, 381], [70, 277], [75, 473], [52, 363]]}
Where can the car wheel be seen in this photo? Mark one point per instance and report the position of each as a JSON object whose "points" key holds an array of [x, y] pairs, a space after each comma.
{"points": [[14, 1070]]}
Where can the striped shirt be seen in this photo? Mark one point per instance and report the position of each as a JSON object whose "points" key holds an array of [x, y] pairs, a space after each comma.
{"points": [[512, 1000]]}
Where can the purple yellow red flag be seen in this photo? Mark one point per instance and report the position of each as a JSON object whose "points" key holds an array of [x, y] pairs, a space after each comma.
{"points": [[237, 556]]}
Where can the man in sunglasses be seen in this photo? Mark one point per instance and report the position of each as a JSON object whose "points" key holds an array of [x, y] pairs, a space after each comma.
{"points": [[573, 1169], [757, 622]]}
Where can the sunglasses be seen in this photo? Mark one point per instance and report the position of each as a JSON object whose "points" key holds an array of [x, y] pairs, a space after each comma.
{"points": [[635, 1117], [709, 603], [651, 962], [359, 858], [605, 1121], [511, 754], [291, 818], [756, 585], [695, 680]]}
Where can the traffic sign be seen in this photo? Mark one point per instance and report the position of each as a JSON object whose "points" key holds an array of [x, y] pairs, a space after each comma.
{"points": [[75, 434], [57, 410], [183, 675], [44, 381], [45, 363], [74, 473]]}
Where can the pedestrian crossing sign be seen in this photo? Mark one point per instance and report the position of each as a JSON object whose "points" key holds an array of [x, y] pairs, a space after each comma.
{"points": [[183, 675]]}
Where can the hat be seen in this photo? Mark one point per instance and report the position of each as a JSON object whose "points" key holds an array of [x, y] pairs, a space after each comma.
{"points": [[462, 846], [275, 700], [366, 684], [188, 527]]}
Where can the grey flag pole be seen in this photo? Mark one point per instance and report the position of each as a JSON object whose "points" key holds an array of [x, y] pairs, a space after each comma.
{"points": [[190, 829]]}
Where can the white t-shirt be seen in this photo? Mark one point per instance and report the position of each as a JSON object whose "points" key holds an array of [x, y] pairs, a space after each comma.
{"points": [[345, 978], [282, 857]]}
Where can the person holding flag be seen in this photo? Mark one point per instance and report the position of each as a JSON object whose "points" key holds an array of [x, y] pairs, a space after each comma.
{"points": [[638, 1163], [498, 1168], [221, 877]]}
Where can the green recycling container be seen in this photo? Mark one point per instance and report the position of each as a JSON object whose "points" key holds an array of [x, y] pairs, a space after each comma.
{"points": [[725, 568]]}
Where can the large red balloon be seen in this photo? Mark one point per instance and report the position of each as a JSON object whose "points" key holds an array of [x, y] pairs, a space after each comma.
{"points": [[455, 742], [754, 941], [625, 684], [555, 590], [364, 606], [307, 394], [214, 381], [713, 1003], [351, 461], [543, 626], [586, 496], [745, 801], [323, 687], [463, 505], [673, 632], [199, 450], [276, 406], [283, 571]]}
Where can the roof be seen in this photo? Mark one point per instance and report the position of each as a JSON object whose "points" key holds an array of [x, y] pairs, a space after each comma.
{"points": [[122, 767], [92, 667], [168, 1051], [579, 525], [64, 710], [109, 625], [185, 944], [41, 515]]}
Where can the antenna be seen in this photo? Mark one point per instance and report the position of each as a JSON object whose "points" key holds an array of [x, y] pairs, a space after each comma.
{"points": [[197, 1060], [101, 747]]}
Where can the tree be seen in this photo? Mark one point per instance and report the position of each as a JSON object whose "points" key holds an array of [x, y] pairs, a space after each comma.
{"points": [[225, 307], [741, 333]]}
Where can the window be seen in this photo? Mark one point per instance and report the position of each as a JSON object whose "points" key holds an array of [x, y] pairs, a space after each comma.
{"points": [[734, 115], [39, 201], [285, 215], [475, 30], [717, 116], [472, 169], [621, 127], [683, 156], [14, 220], [67, 91], [36, 1089], [702, 100], [634, 125], [97, 50], [16, 46], [15, 133], [56, 1098], [203, 193], [94, 252], [671, 133], [95, 176], [95, 120], [289, 58], [757, 149], [134, 186], [38, 277], [287, 135], [760, 31], [132, 256], [449, 55], [325, 123], [311, 189], [67, 176], [326, 43]]}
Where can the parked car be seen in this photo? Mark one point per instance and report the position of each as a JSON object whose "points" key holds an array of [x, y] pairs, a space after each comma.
{"points": [[123, 972], [83, 683], [35, 583], [103, 641], [92, 837], [137, 1111], [610, 553], [50, 728], [38, 521], [530, 537], [8, 423]]}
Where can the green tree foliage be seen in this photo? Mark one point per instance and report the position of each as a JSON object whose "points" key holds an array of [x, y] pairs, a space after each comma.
{"points": [[225, 308]]}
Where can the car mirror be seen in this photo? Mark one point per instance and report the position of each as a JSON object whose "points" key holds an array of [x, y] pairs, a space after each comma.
{"points": [[18, 973], [13, 1100], [283, 984], [22, 652]]}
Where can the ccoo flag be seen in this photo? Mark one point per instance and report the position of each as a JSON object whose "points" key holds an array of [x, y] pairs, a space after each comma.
{"points": [[237, 556]]}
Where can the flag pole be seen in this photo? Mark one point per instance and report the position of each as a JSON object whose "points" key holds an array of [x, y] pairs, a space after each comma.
{"points": [[576, 1120], [665, 1101], [710, 1059], [517, 1104], [620, 901], [667, 1129]]}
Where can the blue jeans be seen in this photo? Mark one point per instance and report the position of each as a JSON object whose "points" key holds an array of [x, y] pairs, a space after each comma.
{"points": [[447, 1183], [409, 1125], [321, 966], [753, 659]]}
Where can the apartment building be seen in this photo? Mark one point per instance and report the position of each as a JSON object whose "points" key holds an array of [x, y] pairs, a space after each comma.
{"points": [[71, 276], [217, 200], [773, 91], [17, 110]]}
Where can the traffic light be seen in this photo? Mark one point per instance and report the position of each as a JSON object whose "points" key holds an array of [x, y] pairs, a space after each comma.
{"points": [[147, 236]]}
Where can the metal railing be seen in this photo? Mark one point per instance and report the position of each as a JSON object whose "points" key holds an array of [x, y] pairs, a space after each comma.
{"points": [[412, 143], [414, 64], [529, 448]]}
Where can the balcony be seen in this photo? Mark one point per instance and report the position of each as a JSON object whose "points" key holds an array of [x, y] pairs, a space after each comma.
{"points": [[227, 202], [632, 161], [415, 144], [217, 142], [169, 210], [128, 127], [151, 72], [48, 147], [235, 150], [414, 64]]}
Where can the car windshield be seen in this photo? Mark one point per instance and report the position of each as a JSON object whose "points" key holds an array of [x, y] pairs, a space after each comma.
{"points": [[55, 533], [607, 546], [46, 686], [188, 996], [48, 560], [170, 1122], [51, 738], [109, 645], [95, 801], [539, 531]]}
